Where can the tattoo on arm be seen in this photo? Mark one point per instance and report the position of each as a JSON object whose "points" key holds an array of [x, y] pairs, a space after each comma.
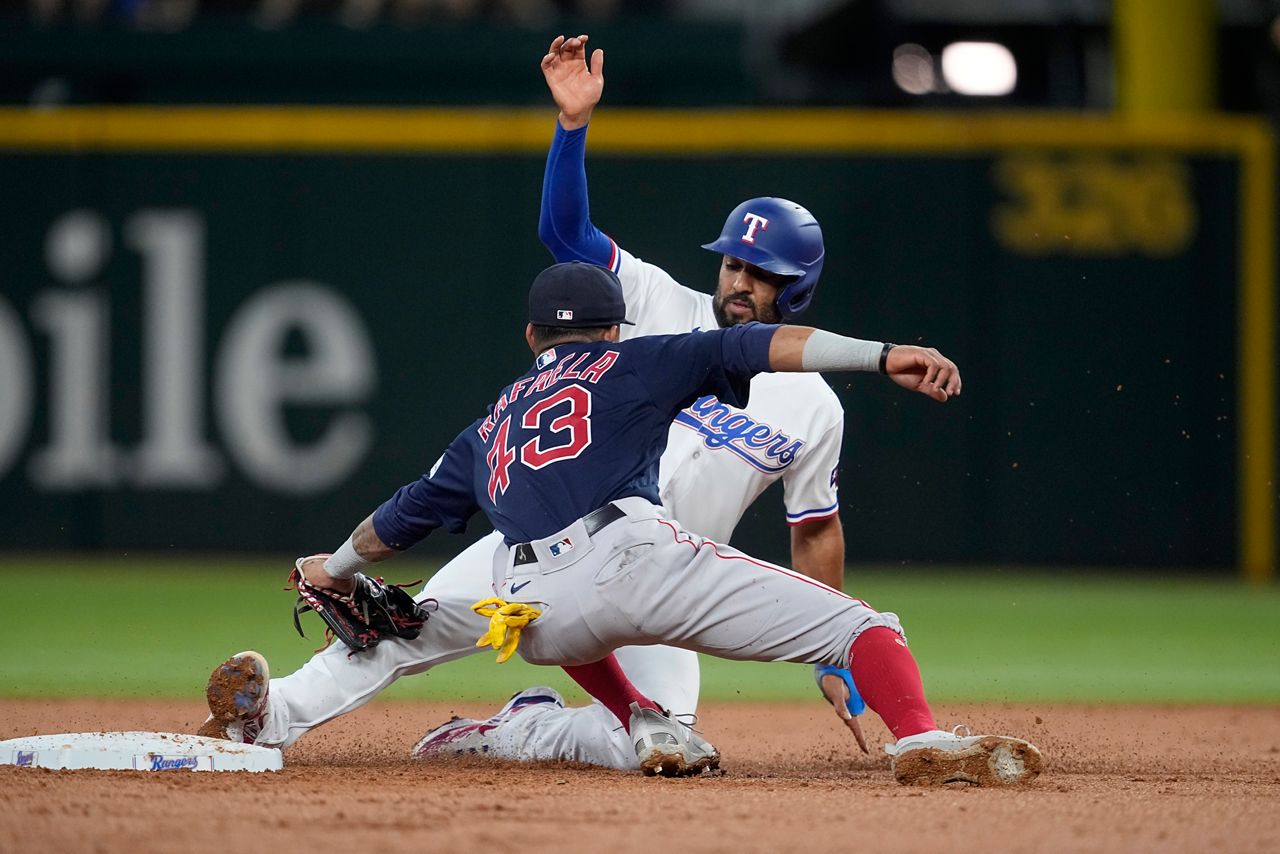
{"points": [[368, 544]]}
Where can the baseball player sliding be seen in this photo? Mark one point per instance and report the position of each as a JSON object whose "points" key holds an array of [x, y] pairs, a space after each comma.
{"points": [[565, 463]]}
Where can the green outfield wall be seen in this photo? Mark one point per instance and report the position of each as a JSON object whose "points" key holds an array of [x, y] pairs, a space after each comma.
{"points": [[243, 328]]}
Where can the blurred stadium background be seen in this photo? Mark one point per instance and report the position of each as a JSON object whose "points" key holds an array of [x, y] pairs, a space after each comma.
{"points": [[261, 260]]}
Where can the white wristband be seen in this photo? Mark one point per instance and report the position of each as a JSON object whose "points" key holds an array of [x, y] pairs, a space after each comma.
{"points": [[826, 351], [345, 562]]}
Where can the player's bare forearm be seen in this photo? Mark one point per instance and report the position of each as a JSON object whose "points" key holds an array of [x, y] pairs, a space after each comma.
{"points": [[817, 550], [786, 348], [576, 87], [922, 369], [368, 544]]}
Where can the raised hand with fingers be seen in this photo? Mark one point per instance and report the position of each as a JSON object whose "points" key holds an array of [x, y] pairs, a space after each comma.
{"points": [[575, 86]]}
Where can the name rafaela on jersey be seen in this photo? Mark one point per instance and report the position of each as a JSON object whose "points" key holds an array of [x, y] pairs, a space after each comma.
{"points": [[569, 369], [761, 445]]}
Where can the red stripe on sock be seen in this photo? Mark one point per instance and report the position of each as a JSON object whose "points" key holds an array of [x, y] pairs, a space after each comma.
{"points": [[605, 681], [888, 679]]}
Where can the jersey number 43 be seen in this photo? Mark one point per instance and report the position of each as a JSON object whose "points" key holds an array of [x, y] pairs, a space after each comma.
{"points": [[568, 416]]}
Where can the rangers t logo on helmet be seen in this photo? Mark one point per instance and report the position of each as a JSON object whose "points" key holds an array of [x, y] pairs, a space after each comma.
{"points": [[754, 221]]}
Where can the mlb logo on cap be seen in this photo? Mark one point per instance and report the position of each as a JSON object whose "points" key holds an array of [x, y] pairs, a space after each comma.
{"points": [[576, 295]]}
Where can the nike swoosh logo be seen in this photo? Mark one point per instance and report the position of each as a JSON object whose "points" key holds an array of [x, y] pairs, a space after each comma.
{"points": [[516, 588]]}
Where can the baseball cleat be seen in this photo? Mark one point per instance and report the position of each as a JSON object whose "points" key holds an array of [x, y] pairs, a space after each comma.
{"points": [[237, 694], [937, 757], [666, 747], [466, 736]]}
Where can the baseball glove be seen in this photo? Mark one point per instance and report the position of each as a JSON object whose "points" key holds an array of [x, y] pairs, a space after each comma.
{"points": [[372, 612]]}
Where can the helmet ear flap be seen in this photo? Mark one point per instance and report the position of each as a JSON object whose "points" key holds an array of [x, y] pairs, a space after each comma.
{"points": [[794, 298]]}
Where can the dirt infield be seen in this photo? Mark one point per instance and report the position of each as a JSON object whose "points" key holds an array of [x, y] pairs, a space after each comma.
{"points": [[1118, 779]]}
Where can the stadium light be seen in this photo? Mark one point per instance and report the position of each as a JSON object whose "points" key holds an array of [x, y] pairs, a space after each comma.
{"points": [[979, 68]]}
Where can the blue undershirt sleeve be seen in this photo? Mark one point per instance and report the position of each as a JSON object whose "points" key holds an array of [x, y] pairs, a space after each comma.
{"points": [[564, 224]]}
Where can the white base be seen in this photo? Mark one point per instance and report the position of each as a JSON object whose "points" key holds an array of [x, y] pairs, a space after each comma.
{"points": [[138, 751]]}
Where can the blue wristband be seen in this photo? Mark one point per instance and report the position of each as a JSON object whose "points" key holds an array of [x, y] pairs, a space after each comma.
{"points": [[854, 704]]}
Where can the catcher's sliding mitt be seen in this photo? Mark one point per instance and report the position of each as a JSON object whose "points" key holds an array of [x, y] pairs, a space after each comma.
{"points": [[372, 612]]}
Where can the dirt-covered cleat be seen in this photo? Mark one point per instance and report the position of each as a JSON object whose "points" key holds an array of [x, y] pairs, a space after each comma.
{"points": [[937, 757], [237, 695], [666, 747], [466, 736]]}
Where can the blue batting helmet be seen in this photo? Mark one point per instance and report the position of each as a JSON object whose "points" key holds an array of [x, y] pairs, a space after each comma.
{"points": [[779, 236]]}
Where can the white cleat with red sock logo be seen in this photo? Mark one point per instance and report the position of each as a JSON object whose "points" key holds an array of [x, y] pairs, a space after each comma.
{"points": [[937, 757]]}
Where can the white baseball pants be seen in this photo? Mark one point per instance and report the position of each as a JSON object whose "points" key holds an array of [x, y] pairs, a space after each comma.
{"points": [[643, 580]]}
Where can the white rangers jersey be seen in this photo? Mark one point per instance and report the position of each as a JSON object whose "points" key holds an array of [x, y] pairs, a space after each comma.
{"points": [[720, 458]]}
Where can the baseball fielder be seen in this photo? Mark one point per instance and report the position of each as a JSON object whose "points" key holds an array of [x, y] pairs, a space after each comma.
{"points": [[565, 466]]}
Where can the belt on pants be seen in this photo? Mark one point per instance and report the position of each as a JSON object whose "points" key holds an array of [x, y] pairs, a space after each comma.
{"points": [[594, 522]]}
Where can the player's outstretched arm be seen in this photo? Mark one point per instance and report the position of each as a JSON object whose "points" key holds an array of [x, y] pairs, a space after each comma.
{"points": [[922, 369], [575, 86], [564, 224]]}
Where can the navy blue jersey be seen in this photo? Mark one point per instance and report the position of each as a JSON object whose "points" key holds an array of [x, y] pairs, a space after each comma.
{"points": [[584, 426]]}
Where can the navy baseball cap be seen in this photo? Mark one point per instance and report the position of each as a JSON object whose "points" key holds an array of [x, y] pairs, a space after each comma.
{"points": [[576, 294]]}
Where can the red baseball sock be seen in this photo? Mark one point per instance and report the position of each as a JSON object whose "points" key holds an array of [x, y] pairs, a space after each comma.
{"points": [[605, 681], [888, 679]]}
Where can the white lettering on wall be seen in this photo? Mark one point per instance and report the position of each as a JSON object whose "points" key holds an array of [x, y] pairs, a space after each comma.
{"points": [[256, 380], [257, 383], [173, 451], [80, 452]]}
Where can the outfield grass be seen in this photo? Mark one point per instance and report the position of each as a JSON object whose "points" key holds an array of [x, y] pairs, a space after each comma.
{"points": [[114, 628]]}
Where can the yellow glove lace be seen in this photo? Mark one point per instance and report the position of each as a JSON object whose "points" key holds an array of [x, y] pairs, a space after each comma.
{"points": [[506, 620]]}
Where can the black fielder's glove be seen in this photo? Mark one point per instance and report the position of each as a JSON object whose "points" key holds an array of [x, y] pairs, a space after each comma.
{"points": [[372, 612]]}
